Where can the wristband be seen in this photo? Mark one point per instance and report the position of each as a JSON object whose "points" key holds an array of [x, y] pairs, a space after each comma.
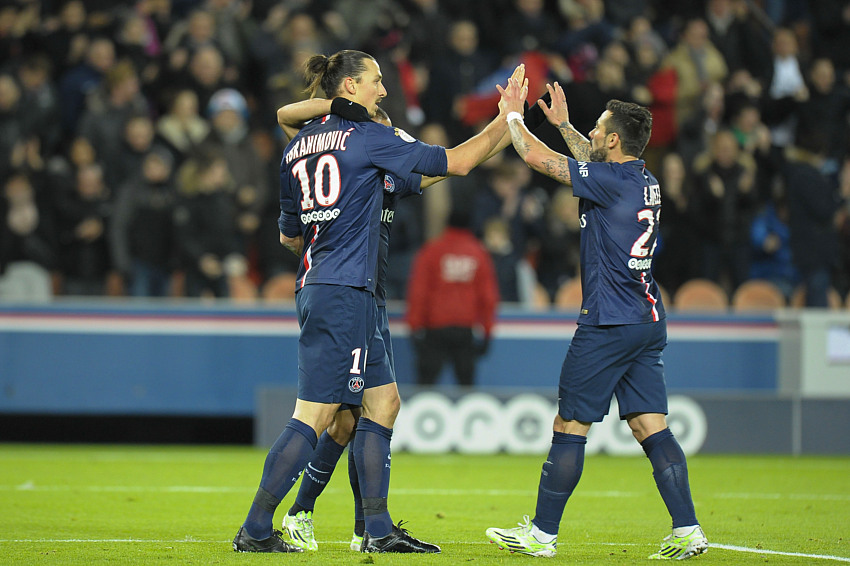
{"points": [[514, 116]]}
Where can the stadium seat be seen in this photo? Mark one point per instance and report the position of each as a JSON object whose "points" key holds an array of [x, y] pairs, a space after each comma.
{"points": [[540, 300], [798, 299], [281, 287], [757, 295], [701, 295], [569, 295], [242, 289], [665, 297]]}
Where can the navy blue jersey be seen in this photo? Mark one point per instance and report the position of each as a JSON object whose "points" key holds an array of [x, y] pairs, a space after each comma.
{"points": [[619, 211], [331, 184], [394, 189]]}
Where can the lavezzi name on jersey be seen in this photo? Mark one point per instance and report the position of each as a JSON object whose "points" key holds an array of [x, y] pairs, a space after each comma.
{"points": [[319, 215]]}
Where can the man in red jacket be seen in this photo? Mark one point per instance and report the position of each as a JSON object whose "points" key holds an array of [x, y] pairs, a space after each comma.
{"points": [[453, 294]]}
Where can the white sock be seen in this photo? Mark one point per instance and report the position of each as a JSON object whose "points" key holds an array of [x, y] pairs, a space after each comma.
{"points": [[545, 538], [684, 531]]}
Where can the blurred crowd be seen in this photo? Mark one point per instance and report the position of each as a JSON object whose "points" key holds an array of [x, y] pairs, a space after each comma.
{"points": [[139, 150]]}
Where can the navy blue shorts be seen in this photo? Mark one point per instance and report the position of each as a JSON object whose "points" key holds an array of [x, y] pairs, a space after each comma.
{"points": [[380, 367], [623, 360], [338, 325]]}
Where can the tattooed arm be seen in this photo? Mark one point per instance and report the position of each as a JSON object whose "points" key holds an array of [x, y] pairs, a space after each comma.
{"points": [[538, 155], [559, 116], [534, 152]]}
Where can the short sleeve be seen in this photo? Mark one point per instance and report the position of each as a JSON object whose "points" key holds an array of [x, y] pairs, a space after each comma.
{"points": [[595, 182], [398, 152]]}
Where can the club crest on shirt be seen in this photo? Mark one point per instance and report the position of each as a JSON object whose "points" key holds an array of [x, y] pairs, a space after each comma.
{"points": [[389, 184], [404, 135], [355, 384]]}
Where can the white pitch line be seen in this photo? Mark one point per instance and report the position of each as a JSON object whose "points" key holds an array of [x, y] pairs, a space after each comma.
{"points": [[764, 551], [345, 543], [31, 486]]}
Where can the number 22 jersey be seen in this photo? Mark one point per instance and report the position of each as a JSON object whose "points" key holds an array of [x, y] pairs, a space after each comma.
{"points": [[619, 213]]}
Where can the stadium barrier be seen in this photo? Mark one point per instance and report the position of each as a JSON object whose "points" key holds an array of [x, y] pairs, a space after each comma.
{"points": [[471, 421], [759, 378]]}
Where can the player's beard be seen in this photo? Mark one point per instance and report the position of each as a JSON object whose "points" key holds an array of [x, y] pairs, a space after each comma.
{"points": [[599, 155]]}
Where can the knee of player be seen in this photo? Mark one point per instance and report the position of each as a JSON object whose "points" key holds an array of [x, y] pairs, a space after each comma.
{"points": [[342, 427]]}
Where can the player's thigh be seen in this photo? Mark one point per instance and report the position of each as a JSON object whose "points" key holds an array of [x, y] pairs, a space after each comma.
{"points": [[643, 388], [597, 358], [380, 369], [336, 328]]}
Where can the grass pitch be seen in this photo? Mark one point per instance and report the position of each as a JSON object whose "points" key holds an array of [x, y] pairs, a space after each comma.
{"points": [[183, 505]]}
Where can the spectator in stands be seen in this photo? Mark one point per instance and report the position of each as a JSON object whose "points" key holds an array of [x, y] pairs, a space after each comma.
{"points": [[82, 217], [142, 229], [205, 75], [230, 138], [64, 38], [206, 227], [771, 248], [110, 107], [182, 128], [721, 210], [825, 112], [451, 303], [458, 73], [696, 133], [815, 207], [754, 139], [40, 101], [698, 65], [79, 81], [280, 47], [557, 259], [785, 89], [27, 244], [588, 32], [137, 140], [12, 129], [496, 237], [677, 261], [830, 32], [512, 197], [739, 37]]}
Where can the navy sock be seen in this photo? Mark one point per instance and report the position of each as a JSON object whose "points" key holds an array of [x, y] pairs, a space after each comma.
{"points": [[559, 478], [372, 457], [284, 463], [359, 523], [317, 473], [671, 476]]}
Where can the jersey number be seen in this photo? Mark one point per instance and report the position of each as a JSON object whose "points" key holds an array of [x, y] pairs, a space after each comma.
{"points": [[355, 366], [640, 247], [326, 182]]}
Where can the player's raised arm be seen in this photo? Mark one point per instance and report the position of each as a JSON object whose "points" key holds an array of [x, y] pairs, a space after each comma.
{"points": [[465, 157], [292, 117], [534, 152], [558, 114]]}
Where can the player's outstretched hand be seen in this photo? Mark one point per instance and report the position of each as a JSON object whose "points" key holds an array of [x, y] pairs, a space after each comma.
{"points": [[350, 110], [556, 112], [513, 96], [519, 77]]}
